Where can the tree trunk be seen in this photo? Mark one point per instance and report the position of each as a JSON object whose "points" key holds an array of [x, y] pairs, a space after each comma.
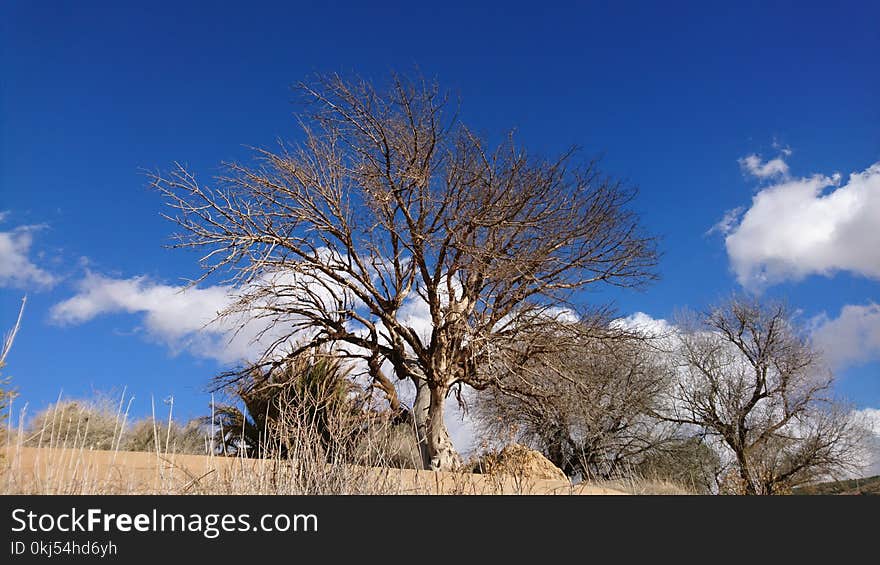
{"points": [[421, 409], [745, 474], [444, 457], [435, 445]]}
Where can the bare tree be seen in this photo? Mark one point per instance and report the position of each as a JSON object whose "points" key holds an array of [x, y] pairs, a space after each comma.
{"points": [[389, 201], [752, 380], [589, 408]]}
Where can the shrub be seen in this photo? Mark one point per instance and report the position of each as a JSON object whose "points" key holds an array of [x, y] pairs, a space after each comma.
{"points": [[101, 424], [90, 424], [191, 437]]}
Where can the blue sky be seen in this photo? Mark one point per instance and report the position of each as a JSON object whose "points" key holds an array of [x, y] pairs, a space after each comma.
{"points": [[674, 96]]}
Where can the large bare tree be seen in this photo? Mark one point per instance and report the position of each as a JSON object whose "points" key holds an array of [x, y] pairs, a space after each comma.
{"points": [[388, 201], [752, 379]]}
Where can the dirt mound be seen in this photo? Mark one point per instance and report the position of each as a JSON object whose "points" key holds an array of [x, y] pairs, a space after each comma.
{"points": [[520, 461]]}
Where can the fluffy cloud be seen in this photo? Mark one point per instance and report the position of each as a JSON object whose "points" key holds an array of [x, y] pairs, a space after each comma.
{"points": [[179, 317], [852, 338], [16, 268], [804, 226], [645, 324], [753, 165]]}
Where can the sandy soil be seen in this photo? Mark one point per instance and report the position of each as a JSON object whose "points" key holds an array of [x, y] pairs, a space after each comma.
{"points": [[73, 471]]}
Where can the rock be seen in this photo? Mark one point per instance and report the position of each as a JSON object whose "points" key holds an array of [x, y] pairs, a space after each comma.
{"points": [[519, 461]]}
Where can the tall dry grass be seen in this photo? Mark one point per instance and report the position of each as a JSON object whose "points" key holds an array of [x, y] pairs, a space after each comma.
{"points": [[81, 447], [92, 447]]}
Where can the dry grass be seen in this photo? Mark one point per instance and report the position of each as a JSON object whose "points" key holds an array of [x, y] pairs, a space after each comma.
{"points": [[90, 447], [80, 448], [28, 470], [642, 486]]}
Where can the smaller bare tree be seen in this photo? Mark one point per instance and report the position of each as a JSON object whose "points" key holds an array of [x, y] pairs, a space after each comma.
{"points": [[587, 406], [753, 381]]}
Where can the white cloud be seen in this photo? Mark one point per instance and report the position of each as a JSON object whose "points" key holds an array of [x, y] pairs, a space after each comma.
{"points": [[755, 166], [179, 317], [728, 222], [797, 227], [210, 322], [645, 324], [870, 418], [852, 338], [16, 268], [785, 150]]}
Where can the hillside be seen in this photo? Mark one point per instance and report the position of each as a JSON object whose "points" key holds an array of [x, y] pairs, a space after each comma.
{"points": [[868, 486]]}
